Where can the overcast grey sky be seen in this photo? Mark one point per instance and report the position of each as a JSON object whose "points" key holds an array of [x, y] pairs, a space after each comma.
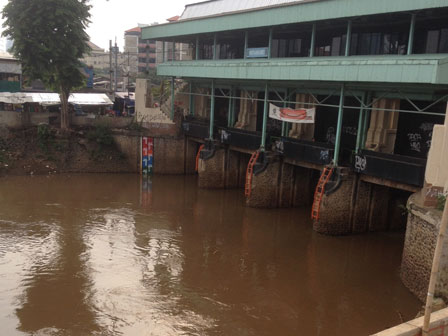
{"points": [[111, 18]]}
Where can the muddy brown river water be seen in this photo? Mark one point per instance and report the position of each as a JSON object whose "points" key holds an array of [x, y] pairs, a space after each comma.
{"points": [[97, 255]]}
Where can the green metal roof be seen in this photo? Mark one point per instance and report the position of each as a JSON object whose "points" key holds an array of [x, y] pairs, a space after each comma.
{"points": [[286, 14], [414, 69]]}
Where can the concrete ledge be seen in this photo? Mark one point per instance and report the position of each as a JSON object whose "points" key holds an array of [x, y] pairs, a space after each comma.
{"points": [[438, 327], [100, 120]]}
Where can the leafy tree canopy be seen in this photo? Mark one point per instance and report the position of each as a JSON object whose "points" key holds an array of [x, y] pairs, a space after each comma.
{"points": [[49, 39]]}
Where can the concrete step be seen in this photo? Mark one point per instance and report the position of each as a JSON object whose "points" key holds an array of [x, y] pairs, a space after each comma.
{"points": [[155, 115]]}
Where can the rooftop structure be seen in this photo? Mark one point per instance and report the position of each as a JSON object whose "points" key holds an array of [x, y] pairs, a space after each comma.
{"points": [[376, 73], [48, 99], [222, 7], [10, 73]]}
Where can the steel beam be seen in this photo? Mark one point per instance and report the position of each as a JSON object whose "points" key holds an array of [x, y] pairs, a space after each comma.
{"points": [[411, 35], [191, 99], [197, 48], [337, 145], [284, 123], [313, 40], [271, 31], [366, 122], [265, 119], [360, 123], [172, 98], [348, 39], [233, 112], [215, 42], [230, 110], [212, 111], [246, 43]]}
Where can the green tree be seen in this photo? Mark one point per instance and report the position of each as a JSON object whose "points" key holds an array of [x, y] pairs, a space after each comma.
{"points": [[49, 39]]}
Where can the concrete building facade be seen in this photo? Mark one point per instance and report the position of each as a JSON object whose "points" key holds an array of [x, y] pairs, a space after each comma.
{"points": [[140, 54], [10, 73], [375, 75]]}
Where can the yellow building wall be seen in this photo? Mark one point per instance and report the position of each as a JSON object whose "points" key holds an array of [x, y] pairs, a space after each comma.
{"points": [[437, 167]]}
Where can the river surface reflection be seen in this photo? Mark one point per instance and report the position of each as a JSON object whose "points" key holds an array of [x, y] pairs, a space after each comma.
{"points": [[97, 255]]}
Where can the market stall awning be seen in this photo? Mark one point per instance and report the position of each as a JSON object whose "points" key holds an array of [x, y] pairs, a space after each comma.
{"points": [[47, 99]]}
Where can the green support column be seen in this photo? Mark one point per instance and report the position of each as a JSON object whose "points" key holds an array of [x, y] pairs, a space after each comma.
{"points": [[365, 126], [265, 119], [411, 35], [197, 47], [246, 43], [313, 40], [348, 40], [233, 109], [337, 145], [163, 52], [172, 98], [230, 111], [215, 37], [360, 124], [284, 124], [283, 128], [271, 31], [191, 99], [173, 52], [212, 111]]}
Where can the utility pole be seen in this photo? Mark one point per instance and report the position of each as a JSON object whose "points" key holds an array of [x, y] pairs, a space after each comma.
{"points": [[110, 66], [129, 71], [116, 66]]}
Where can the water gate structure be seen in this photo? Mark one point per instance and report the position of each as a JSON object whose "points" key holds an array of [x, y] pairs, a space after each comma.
{"points": [[373, 77]]}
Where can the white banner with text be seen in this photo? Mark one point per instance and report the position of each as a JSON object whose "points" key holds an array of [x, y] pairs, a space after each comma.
{"points": [[299, 116]]}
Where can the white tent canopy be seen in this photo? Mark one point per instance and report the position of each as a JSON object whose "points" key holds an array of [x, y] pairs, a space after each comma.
{"points": [[47, 99]]}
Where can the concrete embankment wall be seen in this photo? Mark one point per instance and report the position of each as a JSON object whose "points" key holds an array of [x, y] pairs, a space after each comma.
{"points": [[14, 120], [172, 154], [438, 326], [349, 206], [421, 237], [107, 121], [11, 119]]}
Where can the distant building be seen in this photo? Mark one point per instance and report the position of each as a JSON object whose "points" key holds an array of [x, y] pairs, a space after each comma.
{"points": [[8, 44], [99, 58], [139, 54], [10, 73]]}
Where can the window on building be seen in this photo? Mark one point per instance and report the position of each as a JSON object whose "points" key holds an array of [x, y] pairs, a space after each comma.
{"points": [[230, 45], [331, 38], [9, 77], [258, 38], [291, 41], [431, 32], [381, 35], [206, 47]]}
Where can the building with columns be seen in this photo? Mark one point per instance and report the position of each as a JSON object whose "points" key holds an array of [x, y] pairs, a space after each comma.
{"points": [[373, 77], [376, 74]]}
